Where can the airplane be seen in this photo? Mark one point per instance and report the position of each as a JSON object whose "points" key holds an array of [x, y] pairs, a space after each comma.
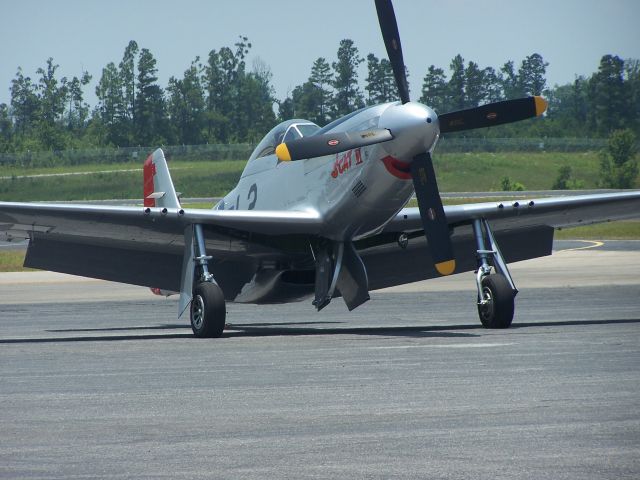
{"points": [[318, 212]]}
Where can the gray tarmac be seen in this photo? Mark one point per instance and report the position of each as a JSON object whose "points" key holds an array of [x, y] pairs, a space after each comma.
{"points": [[98, 380]]}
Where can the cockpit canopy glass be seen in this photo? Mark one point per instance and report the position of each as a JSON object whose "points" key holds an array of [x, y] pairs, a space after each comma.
{"points": [[283, 132]]}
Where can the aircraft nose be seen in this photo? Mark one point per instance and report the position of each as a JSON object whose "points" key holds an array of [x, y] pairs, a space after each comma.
{"points": [[415, 129]]}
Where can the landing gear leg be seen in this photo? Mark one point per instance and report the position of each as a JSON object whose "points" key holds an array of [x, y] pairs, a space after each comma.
{"points": [[208, 310], [496, 292]]}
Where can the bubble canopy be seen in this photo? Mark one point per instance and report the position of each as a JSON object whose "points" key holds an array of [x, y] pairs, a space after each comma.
{"points": [[283, 132]]}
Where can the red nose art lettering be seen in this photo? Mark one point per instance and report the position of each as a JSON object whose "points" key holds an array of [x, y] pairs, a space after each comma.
{"points": [[344, 161]]}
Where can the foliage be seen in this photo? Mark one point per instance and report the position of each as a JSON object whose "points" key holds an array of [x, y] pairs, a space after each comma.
{"points": [[348, 96], [566, 181], [381, 84], [618, 163], [221, 100], [509, 186]]}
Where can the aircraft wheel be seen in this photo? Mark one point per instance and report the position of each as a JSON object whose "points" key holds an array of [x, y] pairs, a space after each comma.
{"points": [[498, 310], [208, 311]]}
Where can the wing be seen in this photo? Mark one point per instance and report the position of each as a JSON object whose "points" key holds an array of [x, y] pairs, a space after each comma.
{"points": [[524, 229], [554, 212], [143, 246]]}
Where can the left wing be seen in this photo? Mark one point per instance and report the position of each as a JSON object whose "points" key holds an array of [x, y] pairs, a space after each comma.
{"points": [[554, 212], [524, 229]]}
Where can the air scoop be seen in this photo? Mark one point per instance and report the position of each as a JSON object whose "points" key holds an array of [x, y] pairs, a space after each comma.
{"points": [[414, 127]]}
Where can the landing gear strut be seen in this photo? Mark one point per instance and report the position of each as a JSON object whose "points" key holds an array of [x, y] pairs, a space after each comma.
{"points": [[496, 292], [208, 310]]}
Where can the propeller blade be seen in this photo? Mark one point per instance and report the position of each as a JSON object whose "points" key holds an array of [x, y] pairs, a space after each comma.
{"points": [[330, 143], [492, 114], [432, 213], [391, 36]]}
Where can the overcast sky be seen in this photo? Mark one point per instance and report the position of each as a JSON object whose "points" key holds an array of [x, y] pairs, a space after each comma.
{"points": [[288, 36]]}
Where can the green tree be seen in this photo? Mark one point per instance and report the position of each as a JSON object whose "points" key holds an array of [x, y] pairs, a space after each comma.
{"points": [[53, 94], [127, 72], [285, 109], [618, 163], [306, 101], [632, 81], [25, 103], [111, 107], [493, 87], [255, 101], [474, 85], [223, 74], [78, 109], [348, 96], [531, 75], [608, 97], [511, 86], [568, 106], [150, 109], [186, 105], [434, 89], [381, 84], [6, 129], [322, 79], [456, 87]]}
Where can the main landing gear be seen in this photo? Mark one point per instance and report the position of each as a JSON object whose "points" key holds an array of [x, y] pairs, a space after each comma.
{"points": [[208, 310], [496, 292]]}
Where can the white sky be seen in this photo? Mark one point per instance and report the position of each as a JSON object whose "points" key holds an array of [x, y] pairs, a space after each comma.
{"points": [[288, 36]]}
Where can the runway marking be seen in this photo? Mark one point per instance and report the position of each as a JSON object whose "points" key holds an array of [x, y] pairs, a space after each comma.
{"points": [[594, 244], [452, 345]]}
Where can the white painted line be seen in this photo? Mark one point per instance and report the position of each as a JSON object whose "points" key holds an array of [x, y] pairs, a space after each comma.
{"points": [[452, 345]]}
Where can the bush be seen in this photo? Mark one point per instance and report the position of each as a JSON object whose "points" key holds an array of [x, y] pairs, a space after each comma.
{"points": [[565, 180], [509, 186], [618, 164]]}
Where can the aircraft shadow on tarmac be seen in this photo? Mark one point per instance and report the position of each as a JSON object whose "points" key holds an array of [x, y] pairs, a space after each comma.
{"points": [[288, 329]]}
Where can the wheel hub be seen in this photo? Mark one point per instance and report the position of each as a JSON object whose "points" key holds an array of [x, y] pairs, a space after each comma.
{"points": [[197, 311], [486, 305]]}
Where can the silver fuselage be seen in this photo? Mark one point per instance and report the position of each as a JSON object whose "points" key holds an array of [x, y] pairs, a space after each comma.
{"points": [[354, 192]]}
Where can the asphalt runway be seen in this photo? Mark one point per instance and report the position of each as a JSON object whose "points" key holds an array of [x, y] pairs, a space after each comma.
{"points": [[98, 380]]}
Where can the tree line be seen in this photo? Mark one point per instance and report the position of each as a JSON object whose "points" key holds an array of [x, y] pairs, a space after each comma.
{"points": [[221, 100]]}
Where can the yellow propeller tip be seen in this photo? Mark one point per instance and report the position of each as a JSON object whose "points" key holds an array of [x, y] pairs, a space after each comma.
{"points": [[282, 152], [541, 105], [446, 268]]}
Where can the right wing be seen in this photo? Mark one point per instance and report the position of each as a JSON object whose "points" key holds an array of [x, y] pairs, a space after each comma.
{"points": [[142, 246]]}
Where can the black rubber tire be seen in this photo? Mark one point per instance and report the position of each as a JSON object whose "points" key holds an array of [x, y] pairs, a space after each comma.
{"points": [[498, 312], [208, 311]]}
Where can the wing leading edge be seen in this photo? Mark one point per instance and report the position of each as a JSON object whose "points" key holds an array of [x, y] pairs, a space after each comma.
{"points": [[556, 212], [145, 246]]}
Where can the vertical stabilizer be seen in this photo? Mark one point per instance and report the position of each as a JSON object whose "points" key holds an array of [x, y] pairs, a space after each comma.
{"points": [[158, 190]]}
